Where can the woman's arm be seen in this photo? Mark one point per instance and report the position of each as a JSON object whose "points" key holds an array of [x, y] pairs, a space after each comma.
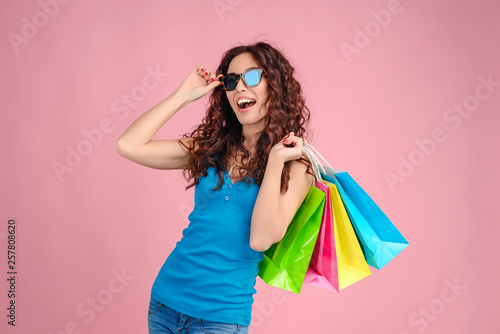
{"points": [[136, 142], [274, 211]]}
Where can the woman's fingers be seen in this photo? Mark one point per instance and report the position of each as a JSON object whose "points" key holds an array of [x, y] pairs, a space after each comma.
{"points": [[210, 78], [212, 83], [293, 145], [206, 74], [200, 70], [290, 147], [291, 139]]}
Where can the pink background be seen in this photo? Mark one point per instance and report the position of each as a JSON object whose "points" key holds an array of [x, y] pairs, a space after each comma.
{"points": [[68, 74]]}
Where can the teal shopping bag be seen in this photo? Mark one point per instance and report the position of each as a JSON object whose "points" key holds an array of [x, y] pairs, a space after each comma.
{"points": [[379, 238]]}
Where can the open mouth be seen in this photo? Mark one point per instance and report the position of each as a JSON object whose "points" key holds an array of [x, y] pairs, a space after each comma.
{"points": [[244, 104]]}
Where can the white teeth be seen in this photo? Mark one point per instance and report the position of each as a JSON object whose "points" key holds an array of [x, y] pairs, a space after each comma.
{"points": [[245, 100]]}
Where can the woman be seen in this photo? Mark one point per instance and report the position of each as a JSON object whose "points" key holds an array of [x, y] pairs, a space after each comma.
{"points": [[245, 161]]}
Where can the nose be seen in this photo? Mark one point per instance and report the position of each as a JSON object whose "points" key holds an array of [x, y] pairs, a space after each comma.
{"points": [[240, 86]]}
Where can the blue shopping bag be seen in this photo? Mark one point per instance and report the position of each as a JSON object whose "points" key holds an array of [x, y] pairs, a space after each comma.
{"points": [[380, 240]]}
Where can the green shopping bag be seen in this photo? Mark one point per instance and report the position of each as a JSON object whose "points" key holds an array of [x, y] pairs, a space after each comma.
{"points": [[285, 262]]}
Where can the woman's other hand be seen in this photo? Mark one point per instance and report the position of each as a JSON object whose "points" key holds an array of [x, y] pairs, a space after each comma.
{"points": [[289, 148]]}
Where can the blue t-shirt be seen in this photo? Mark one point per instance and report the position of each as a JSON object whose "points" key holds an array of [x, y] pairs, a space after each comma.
{"points": [[211, 272]]}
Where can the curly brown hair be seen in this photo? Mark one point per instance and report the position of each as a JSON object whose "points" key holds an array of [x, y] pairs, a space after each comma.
{"points": [[219, 135]]}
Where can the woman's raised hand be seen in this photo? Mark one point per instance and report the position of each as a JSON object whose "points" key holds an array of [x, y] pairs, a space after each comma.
{"points": [[199, 82]]}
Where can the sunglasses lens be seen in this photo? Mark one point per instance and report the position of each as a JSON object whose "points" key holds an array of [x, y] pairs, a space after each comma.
{"points": [[252, 78], [230, 82]]}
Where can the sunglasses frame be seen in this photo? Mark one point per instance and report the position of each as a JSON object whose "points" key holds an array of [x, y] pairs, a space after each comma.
{"points": [[242, 76]]}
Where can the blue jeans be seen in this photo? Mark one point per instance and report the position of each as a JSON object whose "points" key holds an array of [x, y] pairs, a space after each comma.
{"points": [[163, 319]]}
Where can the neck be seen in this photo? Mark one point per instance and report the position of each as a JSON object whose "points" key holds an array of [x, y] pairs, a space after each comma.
{"points": [[250, 135]]}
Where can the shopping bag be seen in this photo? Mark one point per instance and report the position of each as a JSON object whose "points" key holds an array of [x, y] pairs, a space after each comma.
{"points": [[322, 271], [351, 265], [285, 263], [379, 238], [351, 262]]}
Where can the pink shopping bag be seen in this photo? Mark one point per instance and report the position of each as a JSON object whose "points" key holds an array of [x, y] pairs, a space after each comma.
{"points": [[323, 271]]}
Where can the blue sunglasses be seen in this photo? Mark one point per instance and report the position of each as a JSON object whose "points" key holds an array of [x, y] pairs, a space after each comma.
{"points": [[251, 78]]}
